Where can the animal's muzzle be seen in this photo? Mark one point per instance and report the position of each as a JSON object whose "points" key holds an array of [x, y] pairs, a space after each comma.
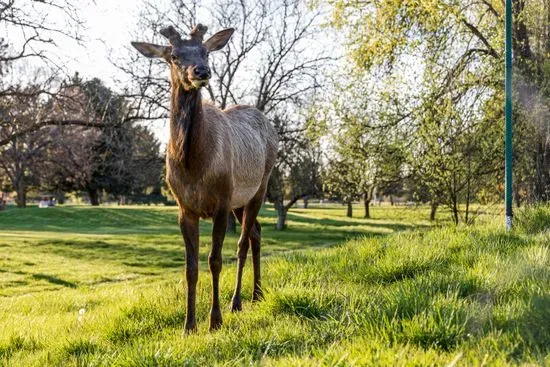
{"points": [[201, 72]]}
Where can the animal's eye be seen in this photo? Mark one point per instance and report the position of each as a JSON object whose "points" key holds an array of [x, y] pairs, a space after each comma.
{"points": [[174, 57]]}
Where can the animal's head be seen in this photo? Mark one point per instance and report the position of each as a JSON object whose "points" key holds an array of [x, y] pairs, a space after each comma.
{"points": [[188, 58]]}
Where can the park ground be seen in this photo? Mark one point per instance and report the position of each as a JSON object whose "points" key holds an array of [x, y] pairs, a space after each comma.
{"points": [[105, 287]]}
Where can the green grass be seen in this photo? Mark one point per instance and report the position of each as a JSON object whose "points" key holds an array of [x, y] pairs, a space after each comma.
{"points": [[105, 286]]}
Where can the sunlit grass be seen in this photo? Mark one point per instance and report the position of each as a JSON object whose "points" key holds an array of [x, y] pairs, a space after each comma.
{"points": [[105, 286]]}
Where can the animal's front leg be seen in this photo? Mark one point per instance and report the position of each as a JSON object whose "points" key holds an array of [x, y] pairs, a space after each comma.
{"points": [[215, 263], [189, 226]]}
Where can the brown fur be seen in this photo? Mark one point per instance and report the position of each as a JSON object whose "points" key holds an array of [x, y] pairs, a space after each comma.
{"points": [[216, 161]]}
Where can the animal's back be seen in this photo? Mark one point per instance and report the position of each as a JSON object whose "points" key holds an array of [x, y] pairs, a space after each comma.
{"points": [[254, 151]]}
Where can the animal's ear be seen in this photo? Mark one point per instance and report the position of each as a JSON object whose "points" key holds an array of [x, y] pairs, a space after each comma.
{"points": [[220, 39], [151, 50]]}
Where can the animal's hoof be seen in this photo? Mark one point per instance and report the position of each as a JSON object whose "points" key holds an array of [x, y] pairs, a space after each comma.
{"points": [[190, 327], [257, 295], [236, 305], [215, 324], [215, 320]]}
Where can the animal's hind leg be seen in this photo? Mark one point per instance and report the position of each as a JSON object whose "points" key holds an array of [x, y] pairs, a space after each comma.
{"points": [[248, 229], [255, 242], [236, 304]]}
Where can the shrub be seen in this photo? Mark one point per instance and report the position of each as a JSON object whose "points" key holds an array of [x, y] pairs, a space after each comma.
{"points": [[533, 220]]}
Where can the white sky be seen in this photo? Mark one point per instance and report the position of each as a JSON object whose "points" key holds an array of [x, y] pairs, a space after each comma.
{"points": [[109, 27], [106, 31]]}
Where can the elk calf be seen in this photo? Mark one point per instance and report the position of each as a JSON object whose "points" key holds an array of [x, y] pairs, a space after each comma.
{"points": [[217, 161]]}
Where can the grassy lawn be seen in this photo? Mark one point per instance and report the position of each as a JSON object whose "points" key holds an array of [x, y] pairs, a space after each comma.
{"points": [[105, 286]]}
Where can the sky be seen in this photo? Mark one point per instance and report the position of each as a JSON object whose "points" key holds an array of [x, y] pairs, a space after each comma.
{"points": [[108, 28], [106, 31]]}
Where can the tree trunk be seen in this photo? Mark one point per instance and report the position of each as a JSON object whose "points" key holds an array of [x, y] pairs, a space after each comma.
{"points": [[455, 211], [21, 199], [521, 45], [231, 223], [94, 197], [281, 215], [542, 180], [391, 200], [306, 203], [468, 187], [60, 197], [367, 206], [433, 209], [349, 213], [281, 219], [466, 220]]}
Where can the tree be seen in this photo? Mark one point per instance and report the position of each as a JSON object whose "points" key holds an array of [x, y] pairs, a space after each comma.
{"points": [[111, 147], [304, 179], [126, 157], [361, 124], [33, 25], [294, 180], [342, 180], [146, 166], [264, 64], [457, 154], [20, 158], [33, 31], [67, 163], [531, 46], [115, 157], [459, 48]]}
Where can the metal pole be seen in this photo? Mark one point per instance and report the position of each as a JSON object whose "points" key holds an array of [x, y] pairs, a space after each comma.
{"points": [[508, 113]]}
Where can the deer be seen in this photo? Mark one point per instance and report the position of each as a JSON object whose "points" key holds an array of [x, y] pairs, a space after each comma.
{"points": [[217, 161]]}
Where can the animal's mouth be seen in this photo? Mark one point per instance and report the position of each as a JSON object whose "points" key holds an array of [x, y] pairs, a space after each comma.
{"points": [[197, 83]]}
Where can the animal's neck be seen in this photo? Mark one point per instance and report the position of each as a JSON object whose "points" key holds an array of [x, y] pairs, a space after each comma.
{"points": [[185, 125]]}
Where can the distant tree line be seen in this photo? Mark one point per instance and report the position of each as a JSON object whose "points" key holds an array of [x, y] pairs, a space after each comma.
{"points": [[415, 111], [60, 135], [116, 158], [419, 109]]}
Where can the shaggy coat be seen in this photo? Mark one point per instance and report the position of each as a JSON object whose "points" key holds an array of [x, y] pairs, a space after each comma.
{"points": [[217, 156], [217, 162]]}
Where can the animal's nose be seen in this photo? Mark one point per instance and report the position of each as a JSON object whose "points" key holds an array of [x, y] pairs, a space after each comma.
{"points": [[202, 72]]}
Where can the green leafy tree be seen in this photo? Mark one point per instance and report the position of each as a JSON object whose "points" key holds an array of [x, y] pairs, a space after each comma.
{"points": [[296, 174], [21, 157], [454, 119], [342, 180], [361, 128], [123, 159]]}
